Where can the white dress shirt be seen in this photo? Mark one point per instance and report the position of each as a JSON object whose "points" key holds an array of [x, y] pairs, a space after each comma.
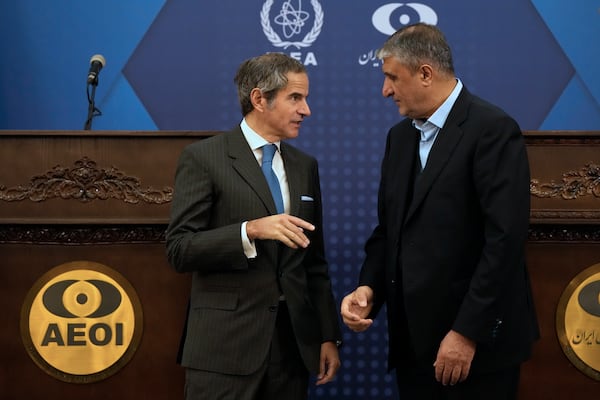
{"points": [[256, 142]]}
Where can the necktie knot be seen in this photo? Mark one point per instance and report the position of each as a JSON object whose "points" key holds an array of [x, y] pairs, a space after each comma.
{"points": [[268, 153]]}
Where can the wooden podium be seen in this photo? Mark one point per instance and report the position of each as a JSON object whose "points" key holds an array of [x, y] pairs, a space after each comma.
{"points": [[105, 196], [564, 240], [102, 197]]}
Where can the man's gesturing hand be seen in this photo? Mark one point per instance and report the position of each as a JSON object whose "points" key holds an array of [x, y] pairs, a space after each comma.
{"points": [[288, 229], [356, 307]]}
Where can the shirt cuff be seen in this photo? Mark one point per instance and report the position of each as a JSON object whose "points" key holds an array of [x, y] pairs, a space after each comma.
{"points": [[247, 244]]}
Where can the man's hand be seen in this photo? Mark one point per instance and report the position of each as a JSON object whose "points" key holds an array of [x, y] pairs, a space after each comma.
{"points": [[329, 364], [356, 307], [285, 228], [454, 358]]}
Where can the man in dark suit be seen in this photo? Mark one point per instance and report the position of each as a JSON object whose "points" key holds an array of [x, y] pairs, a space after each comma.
{"points": [[448, 254], [262, 312]]}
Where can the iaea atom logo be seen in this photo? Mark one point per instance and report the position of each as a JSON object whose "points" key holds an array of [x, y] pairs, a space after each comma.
{"points": [[291, 20]]}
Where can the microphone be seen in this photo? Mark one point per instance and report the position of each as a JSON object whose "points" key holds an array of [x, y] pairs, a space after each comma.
{"points": [[96, 63]]}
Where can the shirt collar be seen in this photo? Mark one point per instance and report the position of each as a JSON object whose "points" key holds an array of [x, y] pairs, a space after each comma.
{"points": [[438, 118], [254, 139]]}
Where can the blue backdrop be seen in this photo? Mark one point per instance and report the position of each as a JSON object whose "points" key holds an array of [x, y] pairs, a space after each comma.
{"points": [[170, 66]]}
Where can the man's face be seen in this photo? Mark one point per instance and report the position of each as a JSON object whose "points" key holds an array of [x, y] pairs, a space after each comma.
{"points": [[404, 87], [284, 114]]}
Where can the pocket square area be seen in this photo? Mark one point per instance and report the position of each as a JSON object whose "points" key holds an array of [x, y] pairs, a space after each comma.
{"points": [[306, 198]]}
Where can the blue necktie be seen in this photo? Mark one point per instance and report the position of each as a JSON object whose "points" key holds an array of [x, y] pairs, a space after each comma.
{"points": [[267, 168]]}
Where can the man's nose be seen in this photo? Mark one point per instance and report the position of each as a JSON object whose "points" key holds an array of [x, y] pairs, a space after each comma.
{"points": [[386, 90], [305, 109]]}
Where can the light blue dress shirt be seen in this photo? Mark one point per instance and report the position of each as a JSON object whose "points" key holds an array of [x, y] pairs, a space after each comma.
{"points": [[430, 128]]}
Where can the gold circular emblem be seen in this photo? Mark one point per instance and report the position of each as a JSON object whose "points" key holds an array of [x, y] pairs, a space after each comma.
{"points": [[578, 321], [81, 322]]}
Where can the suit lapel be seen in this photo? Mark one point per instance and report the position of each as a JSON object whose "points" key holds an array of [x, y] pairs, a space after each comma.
{"points": [[445, 143], [244, 162], [402, 157], [294, 172]]}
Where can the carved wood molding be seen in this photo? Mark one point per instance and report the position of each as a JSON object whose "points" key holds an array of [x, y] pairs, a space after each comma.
{"points": [[564, 233], [562, 141], [584, 182], [562, 138], [85, 182], [576, 215], [132, 234], [82, 234]]}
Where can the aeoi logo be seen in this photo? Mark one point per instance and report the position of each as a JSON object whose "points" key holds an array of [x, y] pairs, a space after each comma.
{"points": [[81, 322], [292, 23], [404, 14], [578, 321]]}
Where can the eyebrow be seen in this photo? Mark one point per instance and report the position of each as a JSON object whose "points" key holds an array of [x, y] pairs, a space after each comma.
{"points": [[297, 94]]}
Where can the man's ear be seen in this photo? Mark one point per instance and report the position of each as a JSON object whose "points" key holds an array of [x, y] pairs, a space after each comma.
{"points": [[258, 100], [426, 74]]}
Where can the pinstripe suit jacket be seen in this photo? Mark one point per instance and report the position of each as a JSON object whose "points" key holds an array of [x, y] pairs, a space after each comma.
{"points": [[234, 299]]}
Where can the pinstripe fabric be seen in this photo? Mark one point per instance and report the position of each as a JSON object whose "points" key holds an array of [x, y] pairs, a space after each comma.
{"points": [[233, 299], [282, 376]]}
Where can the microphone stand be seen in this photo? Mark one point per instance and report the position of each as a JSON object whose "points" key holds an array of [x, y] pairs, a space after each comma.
{"points": [[92, 110]]}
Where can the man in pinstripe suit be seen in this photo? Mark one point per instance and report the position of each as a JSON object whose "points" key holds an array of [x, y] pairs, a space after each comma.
{"points": [[262, 314]]}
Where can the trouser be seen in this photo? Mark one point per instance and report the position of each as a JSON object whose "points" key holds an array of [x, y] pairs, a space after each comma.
{"points": [[282, 376]]}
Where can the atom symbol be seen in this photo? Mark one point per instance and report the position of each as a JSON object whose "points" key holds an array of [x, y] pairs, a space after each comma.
{"points": [[290, 19]]}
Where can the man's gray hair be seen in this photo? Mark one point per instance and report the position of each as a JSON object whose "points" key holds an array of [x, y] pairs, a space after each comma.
{"points": [[418, 44], [268, 73]]}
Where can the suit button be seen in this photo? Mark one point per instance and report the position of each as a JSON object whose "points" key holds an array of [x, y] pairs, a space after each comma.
{"points": [[272, 308]]}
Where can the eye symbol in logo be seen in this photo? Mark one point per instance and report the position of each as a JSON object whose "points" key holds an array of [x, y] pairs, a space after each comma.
{"points": [[82, 299], [589, 298], [382, 16]]}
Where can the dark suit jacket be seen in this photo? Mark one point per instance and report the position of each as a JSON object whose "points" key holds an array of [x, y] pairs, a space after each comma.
{"points": [[234, 299], [450, 254]]}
